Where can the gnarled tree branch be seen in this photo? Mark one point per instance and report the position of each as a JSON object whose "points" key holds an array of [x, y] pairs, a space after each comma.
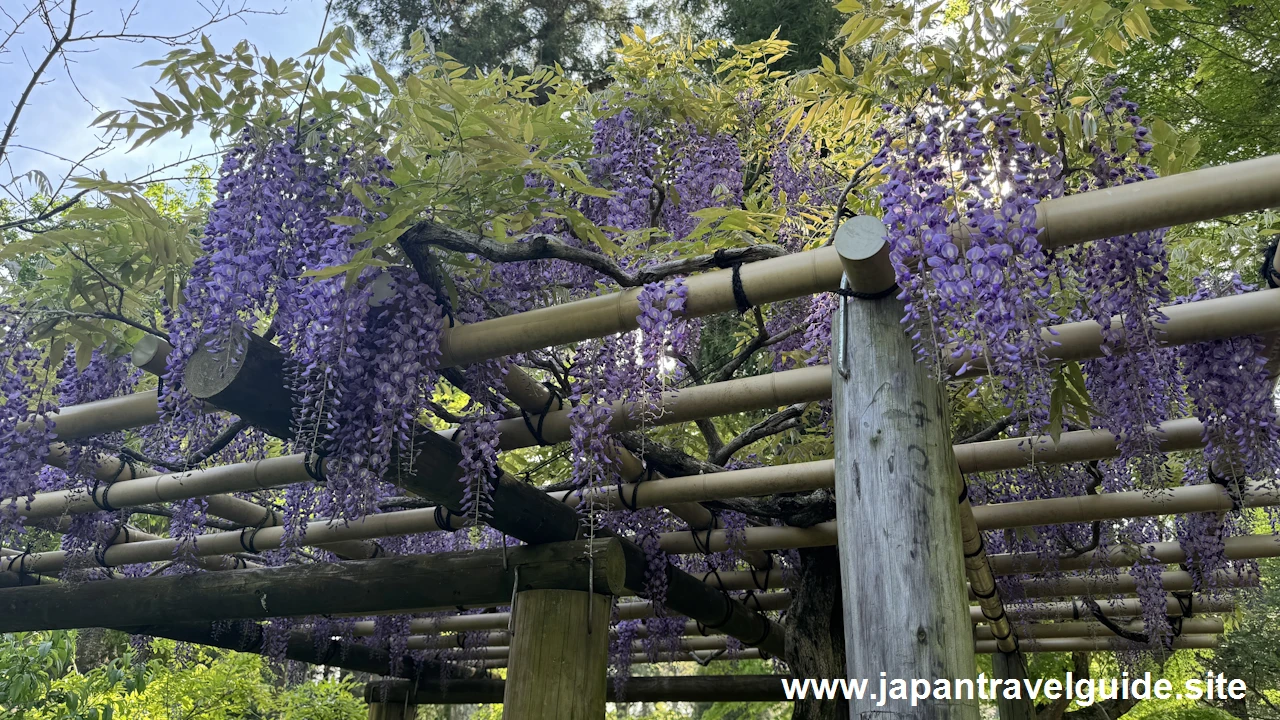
{"points": [[778, 422], [417, 241]]}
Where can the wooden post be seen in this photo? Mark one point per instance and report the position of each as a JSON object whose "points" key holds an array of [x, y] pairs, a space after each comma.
{"points": [[392, 700], [392, 711], [1012, 666], [897, 497], [559, 654]]}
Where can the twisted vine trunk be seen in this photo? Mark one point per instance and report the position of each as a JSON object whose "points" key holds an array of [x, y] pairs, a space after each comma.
{"points": [[815, 631]]}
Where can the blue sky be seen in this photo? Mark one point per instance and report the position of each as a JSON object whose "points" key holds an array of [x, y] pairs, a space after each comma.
{"points": [[57, 120]]}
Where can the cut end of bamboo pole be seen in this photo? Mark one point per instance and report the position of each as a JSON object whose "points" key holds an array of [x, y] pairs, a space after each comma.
{"points": [[864, 252], [151, 354]]}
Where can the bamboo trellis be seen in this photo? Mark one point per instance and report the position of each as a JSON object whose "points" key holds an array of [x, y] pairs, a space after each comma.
{"points": [[537, 518]]}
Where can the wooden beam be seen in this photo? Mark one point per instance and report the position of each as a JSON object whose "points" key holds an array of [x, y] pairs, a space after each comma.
{"points": [[247, 636], [385, 585], [898, 490], [519, 509], [691, 688]]}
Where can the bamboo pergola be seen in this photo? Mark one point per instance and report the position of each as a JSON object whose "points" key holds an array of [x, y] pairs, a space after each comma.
{"points": [[559, 588]]}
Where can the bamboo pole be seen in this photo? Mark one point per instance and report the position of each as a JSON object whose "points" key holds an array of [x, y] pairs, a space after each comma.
{"points": [[1104, 585], [1243, 547], [502, 620], [897, 485], [1038, 637], [1113, 506], [1045, 631], [532, 396], [384, 585], [1215, 319], [136, 547], [237, 477], [1131, 607], [1100, 644], [325, 533], [1188, 197], [983, 583], [102, 416], [109, 469]]}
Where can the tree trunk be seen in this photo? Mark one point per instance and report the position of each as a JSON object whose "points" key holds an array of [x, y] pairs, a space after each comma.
{"points": [[815, 631]]}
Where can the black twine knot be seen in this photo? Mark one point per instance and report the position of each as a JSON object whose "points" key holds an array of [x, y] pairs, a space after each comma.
{"points": [[846, 292], [444, 518], [721, 259]]}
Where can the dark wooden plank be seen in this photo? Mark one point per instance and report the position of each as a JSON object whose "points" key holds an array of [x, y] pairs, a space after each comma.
{"points": [[394, 584], [519, 510], [248, 636], [696, 688]]}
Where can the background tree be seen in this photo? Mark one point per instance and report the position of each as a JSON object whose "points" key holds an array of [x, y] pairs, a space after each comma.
{"points": [[488, 34]]}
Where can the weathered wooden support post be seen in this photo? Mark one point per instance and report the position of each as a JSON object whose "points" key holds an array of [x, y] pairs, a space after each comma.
{"points": [[391, 700], [392, 710], [897, 496], [557, 666], [1012, 667]]}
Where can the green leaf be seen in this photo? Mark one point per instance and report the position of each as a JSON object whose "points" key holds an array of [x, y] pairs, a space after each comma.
{"points": [[366, 85]]}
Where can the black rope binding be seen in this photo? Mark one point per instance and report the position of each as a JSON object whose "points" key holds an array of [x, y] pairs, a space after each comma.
{"points": [[721, 259], [1232, 488], [103, 504], [1268, 270], [762, 585], [982, 547], [986, 596], [846, 292], [444, 518], [646, 474], [1184, 602], [536, 431], [313, 463], [100, 552], [704, 545]]}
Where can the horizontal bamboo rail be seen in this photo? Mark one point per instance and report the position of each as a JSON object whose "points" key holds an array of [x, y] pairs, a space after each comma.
{"points": [[1114, 506], [320, 533], [1163, 202], [644, 659], [1219, 318], [109, 469], [1244, 547], [238, 477], [1046, 631], [798, 477], [694, 638], [103, 416], [1124, 584], [1100, 644], [1200, 498], [1130, 607], [502, 620], [385, 585], [688, 646]]}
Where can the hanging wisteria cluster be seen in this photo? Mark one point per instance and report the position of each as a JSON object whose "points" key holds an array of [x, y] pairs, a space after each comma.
{"points": [[959, 200], [361, 353]]}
